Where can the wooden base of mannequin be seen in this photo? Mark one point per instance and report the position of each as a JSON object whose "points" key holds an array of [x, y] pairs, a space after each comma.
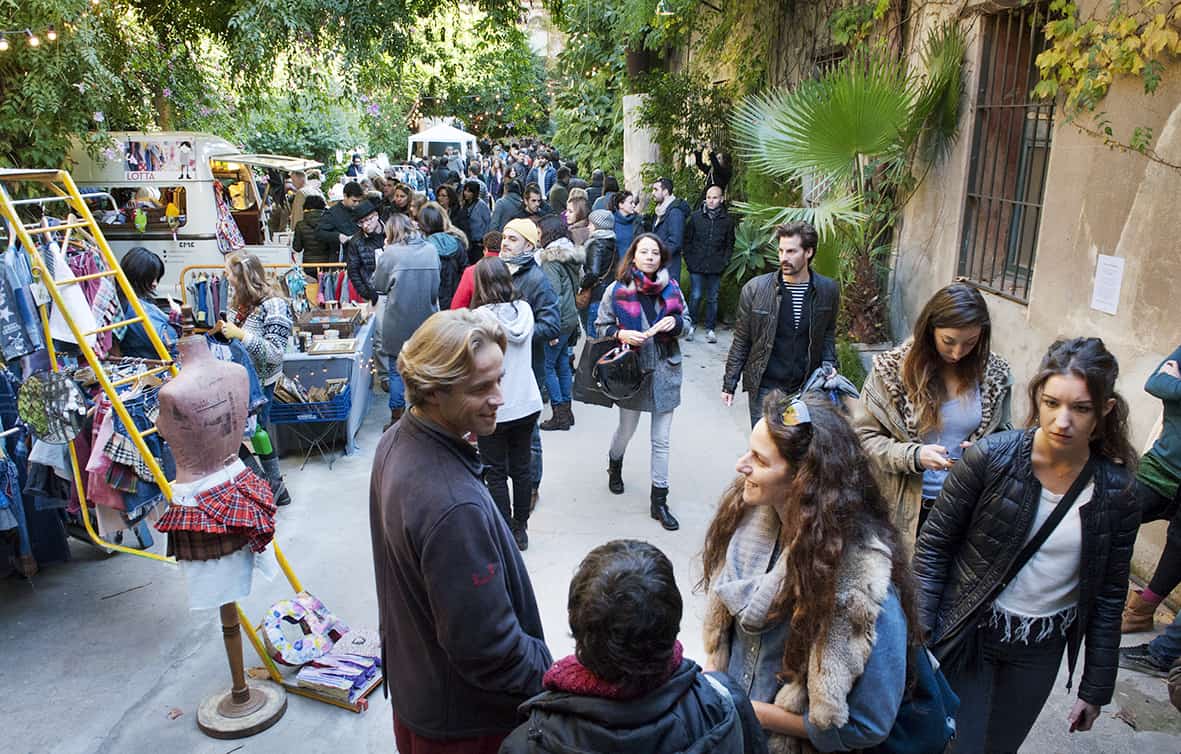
{"points": [[245, 709]]}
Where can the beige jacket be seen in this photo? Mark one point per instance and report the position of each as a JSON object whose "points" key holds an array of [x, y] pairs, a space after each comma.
{"points": [[887, 424]]}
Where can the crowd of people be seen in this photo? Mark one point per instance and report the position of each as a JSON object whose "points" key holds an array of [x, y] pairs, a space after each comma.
{"points": [[890, 562]]}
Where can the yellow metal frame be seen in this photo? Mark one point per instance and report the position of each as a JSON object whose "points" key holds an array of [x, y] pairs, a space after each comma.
{"points": [[63, 188]]}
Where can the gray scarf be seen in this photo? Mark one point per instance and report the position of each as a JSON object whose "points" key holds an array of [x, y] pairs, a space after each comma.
{"points": [[745, 586]]}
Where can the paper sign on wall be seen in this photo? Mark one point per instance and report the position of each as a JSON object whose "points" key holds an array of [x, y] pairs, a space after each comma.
{"points": [[159, 159], [1109, 278]]}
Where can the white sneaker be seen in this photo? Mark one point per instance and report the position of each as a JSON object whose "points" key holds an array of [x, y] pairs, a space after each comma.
{"points": [[689, 331], [710, 337]]}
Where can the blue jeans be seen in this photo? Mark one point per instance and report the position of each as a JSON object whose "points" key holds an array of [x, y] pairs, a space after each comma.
{"points": [[1167, 647], [756, 404], [592, 313], [702, 284], [674, 268], [559, 378], [397, 388]]}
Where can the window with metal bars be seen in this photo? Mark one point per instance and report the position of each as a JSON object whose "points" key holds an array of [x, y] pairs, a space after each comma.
{"points": [[1010, 155]]}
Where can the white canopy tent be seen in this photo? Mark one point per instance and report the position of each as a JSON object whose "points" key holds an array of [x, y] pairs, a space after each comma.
{"points": [[441, 134]]}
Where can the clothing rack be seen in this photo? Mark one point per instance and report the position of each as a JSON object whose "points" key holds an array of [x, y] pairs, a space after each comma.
{"points": [[61, 187]]}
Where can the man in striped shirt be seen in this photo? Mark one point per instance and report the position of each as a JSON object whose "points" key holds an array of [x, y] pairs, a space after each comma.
{"points": [[786, 324]]}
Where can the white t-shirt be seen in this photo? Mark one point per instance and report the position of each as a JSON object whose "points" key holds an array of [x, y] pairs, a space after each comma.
{"points": [[1048, 583]]}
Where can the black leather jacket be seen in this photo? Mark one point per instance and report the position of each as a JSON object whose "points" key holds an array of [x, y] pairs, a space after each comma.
{"points": [[979, 525], [758, 317], [599, 269]]}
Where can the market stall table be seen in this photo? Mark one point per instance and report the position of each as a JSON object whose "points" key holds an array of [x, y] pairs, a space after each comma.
{"points": [[314, 370]]}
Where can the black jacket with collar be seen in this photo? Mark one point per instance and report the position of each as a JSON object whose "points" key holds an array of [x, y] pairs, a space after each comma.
{"points": [[709, 241], [758, 316], [360, 259], [979, 525]]}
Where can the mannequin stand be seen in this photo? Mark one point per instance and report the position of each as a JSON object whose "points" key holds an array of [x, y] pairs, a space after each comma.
{"points": [[245, 709]]}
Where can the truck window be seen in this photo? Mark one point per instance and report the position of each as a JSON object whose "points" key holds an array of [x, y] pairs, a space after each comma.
{"points": [[166, 207]]}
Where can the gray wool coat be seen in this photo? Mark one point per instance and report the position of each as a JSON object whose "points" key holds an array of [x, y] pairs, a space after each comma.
{"points": [[660, 357]]}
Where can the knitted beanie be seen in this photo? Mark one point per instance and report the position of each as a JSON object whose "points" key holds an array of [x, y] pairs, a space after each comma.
{"points": [[602, 219]]}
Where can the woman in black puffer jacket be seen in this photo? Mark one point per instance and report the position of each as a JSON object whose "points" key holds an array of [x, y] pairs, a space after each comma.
{"points": [[602, 258], [1001, 635]]}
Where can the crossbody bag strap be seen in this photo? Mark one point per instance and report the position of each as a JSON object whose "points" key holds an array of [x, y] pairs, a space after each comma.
{"points": [[1051, 523]]}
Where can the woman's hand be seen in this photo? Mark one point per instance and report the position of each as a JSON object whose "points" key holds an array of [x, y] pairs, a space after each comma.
{"points": [[666, 324], [632, 337], [779, 720], [1170, 368], [934, 458], [232, 331], [1082, 715]]}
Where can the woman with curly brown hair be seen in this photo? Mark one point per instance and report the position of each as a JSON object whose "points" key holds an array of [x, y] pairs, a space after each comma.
{"points": [[811, 605]]}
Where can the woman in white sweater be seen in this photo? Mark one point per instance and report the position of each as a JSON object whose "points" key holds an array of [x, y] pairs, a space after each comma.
{"points": [[506, 451]]}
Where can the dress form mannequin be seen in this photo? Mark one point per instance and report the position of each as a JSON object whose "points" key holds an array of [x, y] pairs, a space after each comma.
{"points": [[203, 416], [203, 410]]}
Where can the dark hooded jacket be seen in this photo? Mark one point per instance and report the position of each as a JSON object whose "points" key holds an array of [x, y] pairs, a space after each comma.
{"points": [[306, 240], [509, 207], [452, 260], [670, 227], [687, 714], [360, 258]]}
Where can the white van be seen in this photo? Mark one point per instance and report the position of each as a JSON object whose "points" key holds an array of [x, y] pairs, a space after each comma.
{"points": [[170, 176]]}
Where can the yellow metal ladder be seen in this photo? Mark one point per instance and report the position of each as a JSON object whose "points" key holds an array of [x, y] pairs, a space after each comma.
{"points": [[57, 186]]}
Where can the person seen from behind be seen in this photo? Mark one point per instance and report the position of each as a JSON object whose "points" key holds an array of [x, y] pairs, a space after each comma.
{"points": [[628, 686], [561, 261], [407, 277]]}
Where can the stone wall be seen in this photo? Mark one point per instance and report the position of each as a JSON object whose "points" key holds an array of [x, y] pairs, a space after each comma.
{"points": [[1097, 201]]}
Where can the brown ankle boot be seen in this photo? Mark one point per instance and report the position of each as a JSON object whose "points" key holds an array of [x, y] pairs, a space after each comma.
{"points": [[1137, 615]]}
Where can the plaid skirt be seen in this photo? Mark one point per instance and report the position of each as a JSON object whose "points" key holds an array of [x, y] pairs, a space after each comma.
{"points": [[244, 505]]}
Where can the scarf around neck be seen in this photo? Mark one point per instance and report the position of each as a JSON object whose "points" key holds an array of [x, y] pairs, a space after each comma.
{"points": [[571, 676], [627, 299], [663, 206], [745, 585]]}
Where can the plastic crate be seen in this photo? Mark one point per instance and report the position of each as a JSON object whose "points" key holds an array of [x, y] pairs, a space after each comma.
{"points": [[334, 410]]}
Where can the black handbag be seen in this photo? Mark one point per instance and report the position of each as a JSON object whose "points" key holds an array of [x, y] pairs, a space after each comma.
{"points": [[585, 389], [618, 373]]}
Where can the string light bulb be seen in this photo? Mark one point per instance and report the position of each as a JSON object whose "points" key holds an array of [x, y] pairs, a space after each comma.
{"points": [[51, 33], [3, 43], [34, 40]]}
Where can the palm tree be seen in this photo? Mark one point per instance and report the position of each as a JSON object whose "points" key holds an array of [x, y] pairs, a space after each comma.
{"points": [[858, 141]]}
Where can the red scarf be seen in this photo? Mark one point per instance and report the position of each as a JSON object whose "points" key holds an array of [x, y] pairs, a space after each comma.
{"points": [[571, 676]]}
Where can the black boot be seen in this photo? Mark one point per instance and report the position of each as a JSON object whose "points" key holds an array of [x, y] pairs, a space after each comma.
{"points": [[274, 477], [615, 475], [557, 421], [659, 509]]}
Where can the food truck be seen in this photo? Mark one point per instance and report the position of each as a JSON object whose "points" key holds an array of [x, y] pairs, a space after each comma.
{"points": [[190, 197]]}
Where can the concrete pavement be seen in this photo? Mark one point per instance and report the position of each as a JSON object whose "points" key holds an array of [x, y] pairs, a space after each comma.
{"points": [[98, 651]]}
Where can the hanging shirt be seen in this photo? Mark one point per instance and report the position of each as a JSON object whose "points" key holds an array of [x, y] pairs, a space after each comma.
{"points": [[72, 296]]}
